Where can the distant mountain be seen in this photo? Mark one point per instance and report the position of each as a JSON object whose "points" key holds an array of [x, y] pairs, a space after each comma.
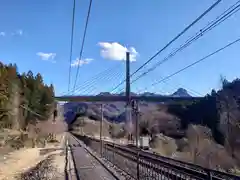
{"points": [[149, 94], [181, 93], [131, 93], [114, 111], [104, 94]]}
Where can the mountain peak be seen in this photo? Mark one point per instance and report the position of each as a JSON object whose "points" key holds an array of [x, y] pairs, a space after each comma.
{"points": [[181, 92]]}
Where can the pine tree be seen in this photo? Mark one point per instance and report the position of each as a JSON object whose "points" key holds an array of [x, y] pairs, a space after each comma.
{"points": [[24, 98], [4, 96]]}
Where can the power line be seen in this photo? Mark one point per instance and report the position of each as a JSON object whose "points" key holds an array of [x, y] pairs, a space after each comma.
{"points": [[173, 40], [219, 16], [165, 82], [179, 35], [93, 82], [93, 79], [105, 79], [204, 30], [142, 91], [196, 62], [108, 79], [180, 85], [83, 41], [71, 44]]}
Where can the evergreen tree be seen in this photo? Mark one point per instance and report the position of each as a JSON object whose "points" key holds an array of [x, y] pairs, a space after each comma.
{"points": [[24, 98]]}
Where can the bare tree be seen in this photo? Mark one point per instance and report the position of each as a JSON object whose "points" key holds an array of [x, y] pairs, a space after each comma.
{"points": [[204, 151], [159, 122], [229, 120], [196, 136], [117, 131], [32, 133]]}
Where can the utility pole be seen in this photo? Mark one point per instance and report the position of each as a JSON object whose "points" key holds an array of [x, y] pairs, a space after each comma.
{"points": [[135, 107], [128, 97], [128, 90], [101, 124]]}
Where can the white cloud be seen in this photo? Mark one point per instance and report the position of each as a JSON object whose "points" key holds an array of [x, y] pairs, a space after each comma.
{"points": [[47, 56], [115, 51], [2, 34], [18, 32], [81, 62]]}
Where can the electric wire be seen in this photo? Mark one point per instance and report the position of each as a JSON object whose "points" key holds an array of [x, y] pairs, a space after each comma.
{"points": [[172, 41], [83, 42], [232, 10], [196, 62], [71, 45], [91, 79], [96, 81], [204, 30], [114, 77]]}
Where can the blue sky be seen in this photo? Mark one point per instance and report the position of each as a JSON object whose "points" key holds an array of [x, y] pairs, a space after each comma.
{"points": [[36, 36]]}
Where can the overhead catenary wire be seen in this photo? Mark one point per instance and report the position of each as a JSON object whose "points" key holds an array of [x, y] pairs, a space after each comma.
{"points": [[165, 82], [83, 41], [190, 90], [233, 7], [115, 76], [172, 41], [232, 10], [88, 81], [92, 79], [103, 79], [142, 91], [196, 62], [93, 82], [204, 30], [200, 33], [71, 45]]}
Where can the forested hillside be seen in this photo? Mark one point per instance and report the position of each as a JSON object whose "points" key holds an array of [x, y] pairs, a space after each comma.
{"points": [[24, 98], [219, 111]]}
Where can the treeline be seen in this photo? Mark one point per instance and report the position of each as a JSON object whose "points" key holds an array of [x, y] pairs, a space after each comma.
{"points": [[24, 98], [219, 111]]}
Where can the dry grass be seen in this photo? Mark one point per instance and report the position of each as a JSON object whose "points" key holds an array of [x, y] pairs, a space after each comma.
{"points": [[10, 141], [163, 145], [198, 148], [18, 161], [25, 160], [92, 128], [51, 168], [40, 171], [19, 150], [36, 136]]}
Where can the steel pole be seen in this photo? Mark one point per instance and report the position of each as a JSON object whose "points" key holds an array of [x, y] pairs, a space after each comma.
{"points": [[135, 107], [128, 96], [101, 126], [137, 138]]}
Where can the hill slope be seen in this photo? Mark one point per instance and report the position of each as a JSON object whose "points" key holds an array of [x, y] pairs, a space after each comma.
{"points": [[113, 111]]}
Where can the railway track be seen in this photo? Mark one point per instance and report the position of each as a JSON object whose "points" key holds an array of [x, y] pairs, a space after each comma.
{"points": [[86, 165], [140, 164]]}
